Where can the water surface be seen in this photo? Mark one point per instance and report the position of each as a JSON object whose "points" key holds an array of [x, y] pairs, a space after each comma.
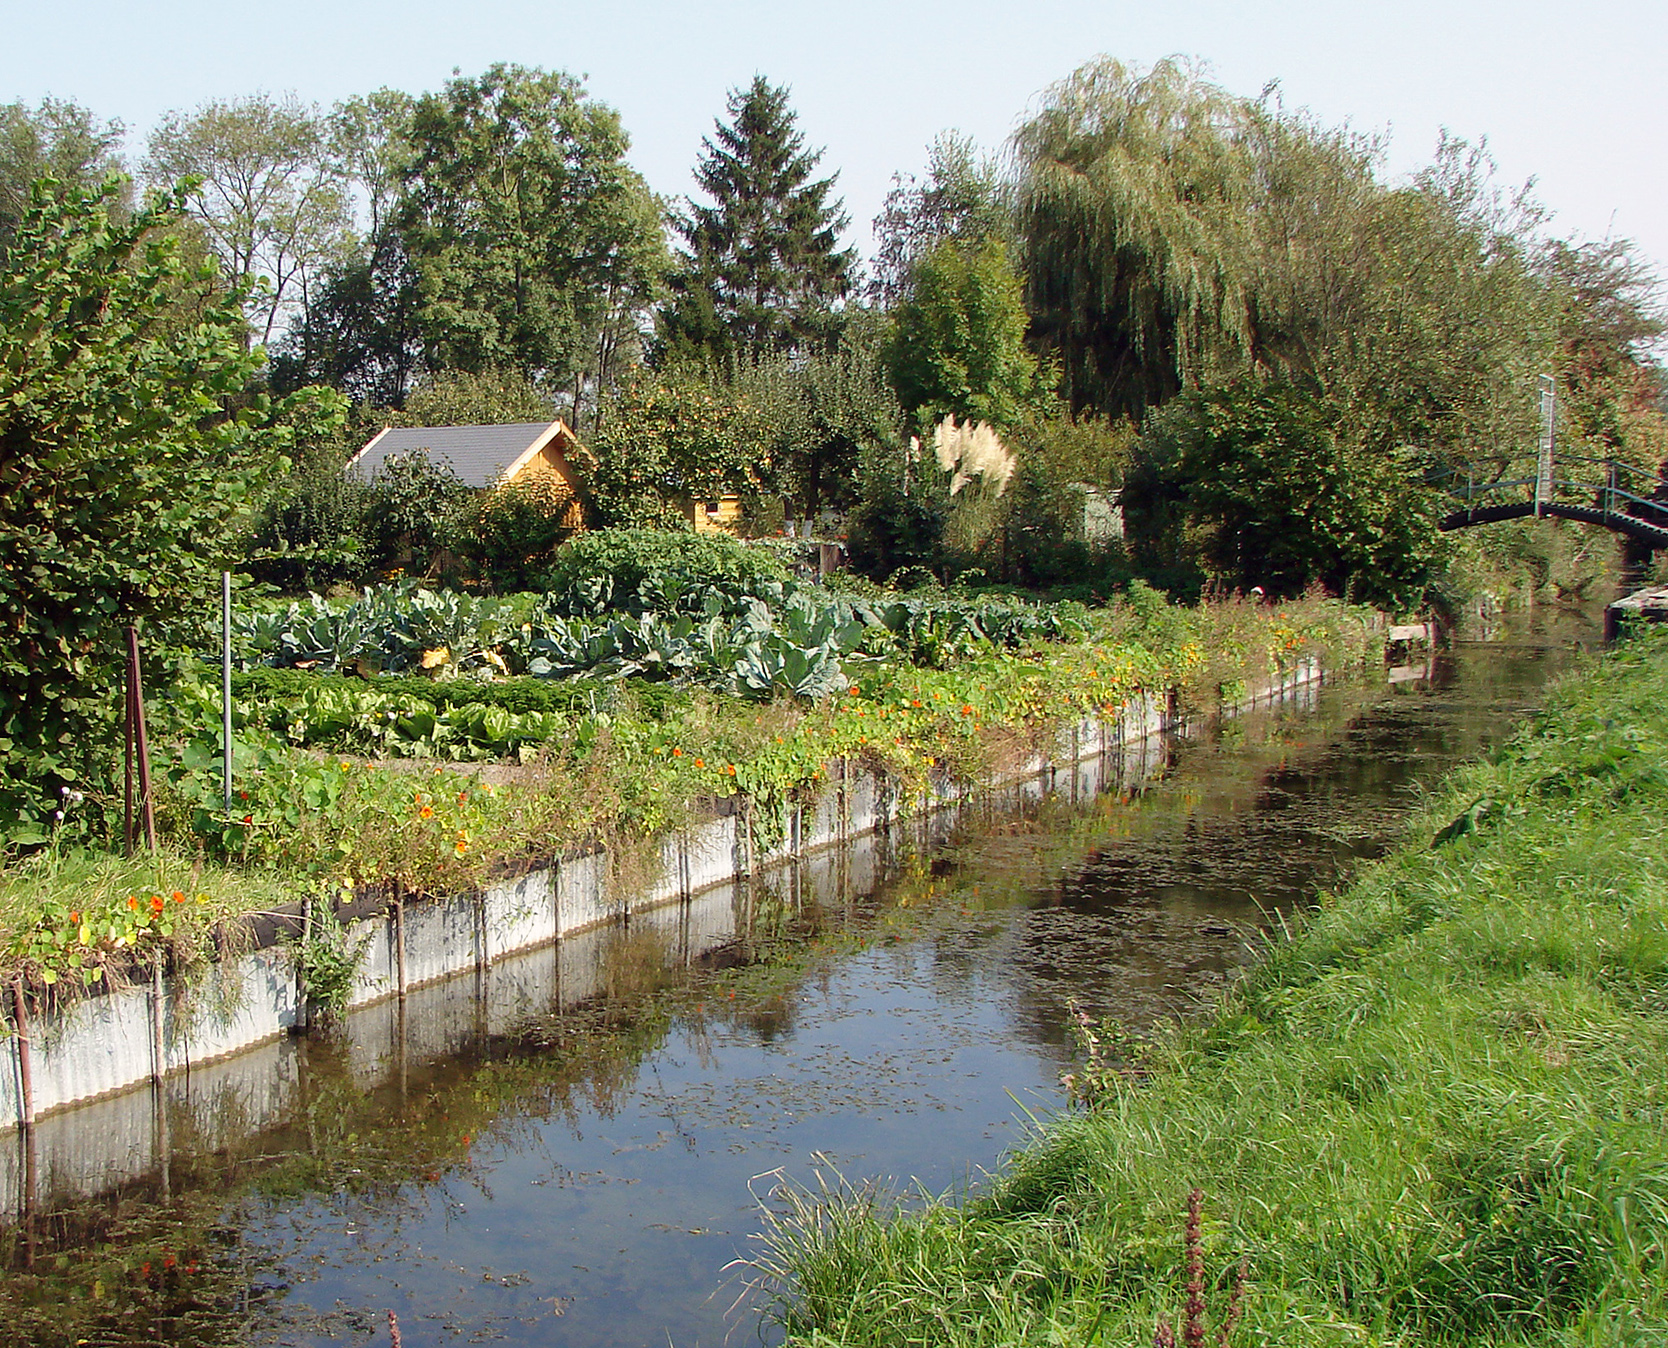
{"points": [[592, 1178]]}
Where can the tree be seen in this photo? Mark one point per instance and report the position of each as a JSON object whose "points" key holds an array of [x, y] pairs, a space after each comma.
{"points": [[761, 267], [459, 398], [265, 192], [124, 480], [820, 413], [1254, 480], [529, 233], [963, 198], [1610, 322], [669, 439], [369, 142], [360, 331], [958, 347], [1133, 201], [59, 140]]}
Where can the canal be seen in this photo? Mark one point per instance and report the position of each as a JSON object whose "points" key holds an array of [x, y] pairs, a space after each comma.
{"points": [[595, 1177]]}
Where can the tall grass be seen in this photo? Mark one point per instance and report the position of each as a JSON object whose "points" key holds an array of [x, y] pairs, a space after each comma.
{"points": [[1437, 1114]]}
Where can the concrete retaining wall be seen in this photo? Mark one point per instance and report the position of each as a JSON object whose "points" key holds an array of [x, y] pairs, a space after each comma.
{"points": [[217, 1053]]}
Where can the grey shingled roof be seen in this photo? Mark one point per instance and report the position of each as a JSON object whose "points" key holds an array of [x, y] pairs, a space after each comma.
{"points": [[477, 454]]}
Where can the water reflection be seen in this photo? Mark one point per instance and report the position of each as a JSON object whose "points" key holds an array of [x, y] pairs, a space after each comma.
{"points": [[566, 1150]]}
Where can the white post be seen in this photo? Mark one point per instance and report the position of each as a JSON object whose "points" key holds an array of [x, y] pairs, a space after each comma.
{"points": [[1549, 430]]}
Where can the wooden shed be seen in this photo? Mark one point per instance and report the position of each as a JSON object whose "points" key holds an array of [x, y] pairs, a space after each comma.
{"points": [[543, 453]]}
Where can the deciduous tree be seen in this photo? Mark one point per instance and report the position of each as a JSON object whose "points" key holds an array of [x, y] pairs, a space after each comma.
{"points": [[265, 192], [529, 232], [669, 439], [958, 347], [963, 197], [58, 139], [124, 479]]}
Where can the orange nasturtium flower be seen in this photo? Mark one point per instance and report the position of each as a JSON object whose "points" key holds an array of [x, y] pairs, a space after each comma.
{"points": [[179, 897], [132, 902], [426, 812], [700, 762], [156, 903], [677, 753]]}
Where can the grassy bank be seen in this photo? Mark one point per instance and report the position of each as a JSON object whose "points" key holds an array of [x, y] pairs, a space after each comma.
{"points": [[318, 810], [1435, 1115]]}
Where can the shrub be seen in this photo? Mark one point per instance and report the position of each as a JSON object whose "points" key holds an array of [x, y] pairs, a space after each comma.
{"points": [[633, 570], [508, 536], [124, 481]]}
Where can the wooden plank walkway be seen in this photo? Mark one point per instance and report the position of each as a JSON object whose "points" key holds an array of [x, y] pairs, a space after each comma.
{"points": [[1648, 605]]}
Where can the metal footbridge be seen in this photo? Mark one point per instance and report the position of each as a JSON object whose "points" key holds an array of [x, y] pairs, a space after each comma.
{"points": [[1594, 491], [1614, 495]]}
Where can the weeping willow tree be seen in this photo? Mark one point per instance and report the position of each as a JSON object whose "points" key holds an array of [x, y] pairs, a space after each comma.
{"points": [[1178, 236], [1134, 192]]}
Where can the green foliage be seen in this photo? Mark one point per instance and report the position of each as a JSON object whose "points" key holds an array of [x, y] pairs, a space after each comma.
{"points": [[958, 347], [394, 627], [894, 529], [667, 440], [123, 479], [719, 615], [261, 187], [1610, 323], [821, 412], [1177, 235], [407, 513], [507, 536], [327, 960], [58, 139], [485, 397], [1255, 476], [86, 938], [633, 570], [1425, 1113], [962, 199], [529, 232], [266, 685], [306, 530], [1131, 201], [761, 265]]}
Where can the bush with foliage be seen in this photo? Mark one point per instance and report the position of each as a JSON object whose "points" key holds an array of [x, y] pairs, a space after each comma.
{"points": [[958, 346], [668, 439], [507, 537], [1258, 481], [124, 478], [634, 570], [408, 513]]}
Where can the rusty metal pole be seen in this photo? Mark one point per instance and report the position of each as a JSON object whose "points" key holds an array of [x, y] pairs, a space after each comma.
{"points": [[127, 762], [147, 811], [399, 939]]}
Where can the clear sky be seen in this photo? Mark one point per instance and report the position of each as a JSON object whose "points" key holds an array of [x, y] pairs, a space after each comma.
{"points": [[1574, 95]]}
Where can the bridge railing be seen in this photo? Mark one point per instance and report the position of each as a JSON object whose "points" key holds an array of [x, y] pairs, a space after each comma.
{"points": [[1609, 485]]}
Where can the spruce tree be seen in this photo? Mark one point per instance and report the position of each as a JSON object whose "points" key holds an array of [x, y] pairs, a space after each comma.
{"points": [[760, 267]]}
